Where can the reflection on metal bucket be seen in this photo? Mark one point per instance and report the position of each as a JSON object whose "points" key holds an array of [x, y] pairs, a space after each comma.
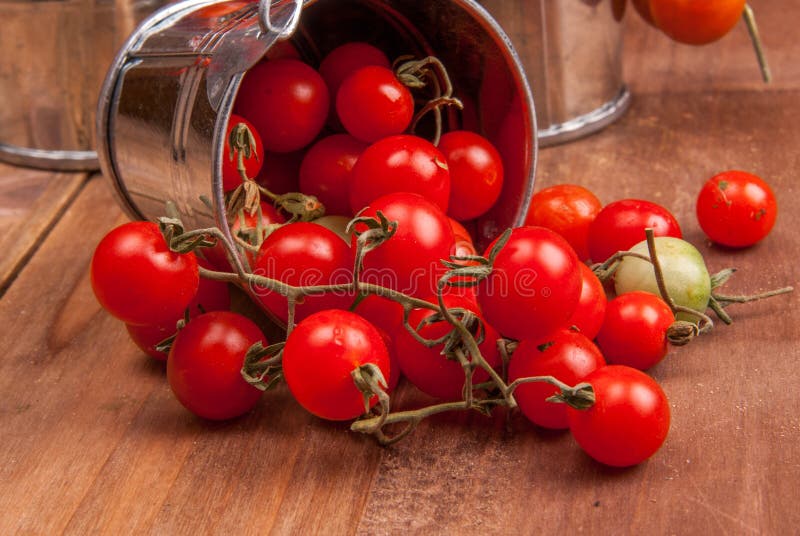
{"points": [[55, 54], [572, 53], [169, 95]]}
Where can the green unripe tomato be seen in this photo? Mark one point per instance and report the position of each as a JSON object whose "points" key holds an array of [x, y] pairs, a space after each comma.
{"points": [[685, 274]]}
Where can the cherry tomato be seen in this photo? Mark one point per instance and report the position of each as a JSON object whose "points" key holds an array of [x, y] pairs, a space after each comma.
{"points": [[381, 312], [534, 286], [138, 279], [464, 243], [567, 355], [387, 317], [410, 261], [427, 368], [205, 362], [400, 164], [230, 172], [628, 422], [621, 224], [304, 254], [286, 100], [211, 296], [634, 332], [281, 171], [326, 171], [476, 173], [146, 338], [569, 210], [736, 209], [591, 308], [319, 356], [346, 59], [685, 274], [372, 104], [696, 22]]}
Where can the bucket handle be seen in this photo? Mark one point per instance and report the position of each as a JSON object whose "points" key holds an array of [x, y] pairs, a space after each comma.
{"points": [[286, 25]]}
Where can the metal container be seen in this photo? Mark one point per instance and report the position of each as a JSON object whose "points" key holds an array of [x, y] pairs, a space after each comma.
{"points": [[55, 55], [168, 97], [572, 53]]}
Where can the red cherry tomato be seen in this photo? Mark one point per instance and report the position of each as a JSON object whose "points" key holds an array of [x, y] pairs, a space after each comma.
{"points": [[620, 225], [534, 286], [387, 317], [410, 261], [211, 296], [628, 422], [567, 355], [346, 59], [464, 243], [326, 171], [591, 308], [431, 372], [286, 100], [281, 171], [230, 161], [319, 356], [634, 332], [373, 104], [138, 279], [381, 312], [146, 338], [304, 254], [205, 362], [567, 209], [696, 22], [736, 209], [400, 164], [476, 173]]}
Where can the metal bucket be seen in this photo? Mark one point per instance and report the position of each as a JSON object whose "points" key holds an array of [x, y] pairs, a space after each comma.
{"points": [[55, 55], [572, 53], [168, 97]]}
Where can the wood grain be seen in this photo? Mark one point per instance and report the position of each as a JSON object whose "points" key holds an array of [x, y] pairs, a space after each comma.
{"points": [[93, 442], [30, 202]]}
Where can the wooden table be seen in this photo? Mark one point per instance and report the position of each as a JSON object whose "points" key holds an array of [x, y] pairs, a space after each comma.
{"points": [[93, 442]]}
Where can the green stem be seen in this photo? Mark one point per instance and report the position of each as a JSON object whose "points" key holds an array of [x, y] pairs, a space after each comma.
{"points": [[752, 29]]}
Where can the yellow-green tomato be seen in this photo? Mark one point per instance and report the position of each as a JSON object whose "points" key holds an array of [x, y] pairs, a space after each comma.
{"points": [[685, 274]]}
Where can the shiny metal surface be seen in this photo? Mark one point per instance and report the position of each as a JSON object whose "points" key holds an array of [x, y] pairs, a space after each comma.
{"points": [[47, 108], [169, 94], [43, 159], [572, 53]]}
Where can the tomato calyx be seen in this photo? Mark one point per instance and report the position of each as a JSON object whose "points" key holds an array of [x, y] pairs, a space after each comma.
{"points": [[369, 379], [247, 195], [176, 236], [262, 365]]}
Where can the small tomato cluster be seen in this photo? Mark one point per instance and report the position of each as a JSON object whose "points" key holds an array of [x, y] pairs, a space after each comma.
{"points": [[390, 284]]}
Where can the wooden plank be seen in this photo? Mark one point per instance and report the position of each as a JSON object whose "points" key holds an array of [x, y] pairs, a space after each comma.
{"points": [[31, 201]]}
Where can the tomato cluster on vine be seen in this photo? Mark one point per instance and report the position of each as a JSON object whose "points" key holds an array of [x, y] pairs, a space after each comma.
{"points": [[391, 284]]}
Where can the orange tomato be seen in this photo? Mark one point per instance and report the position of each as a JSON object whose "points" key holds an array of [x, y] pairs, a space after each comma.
{"points": [[696, 22]]}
